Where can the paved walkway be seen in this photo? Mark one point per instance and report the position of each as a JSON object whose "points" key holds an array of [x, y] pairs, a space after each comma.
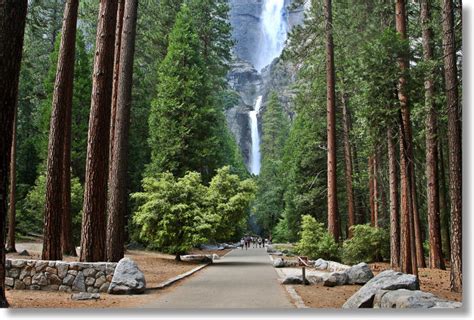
{"points": [[241, 279]]}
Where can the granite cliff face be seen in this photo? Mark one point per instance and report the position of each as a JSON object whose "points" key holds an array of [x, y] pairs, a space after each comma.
{"points": [[249, 37]]}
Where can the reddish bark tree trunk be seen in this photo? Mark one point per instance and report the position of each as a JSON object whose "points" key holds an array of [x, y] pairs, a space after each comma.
{"points": [[62, 103], [408, 201], [333, 215], [376, 190], [432, 188], [12, 28], [454, 143], [117, 204], [118, 41], [348, 167], [12, 205], [443, 204], [371, 191], [95, 191], [393, 185]]}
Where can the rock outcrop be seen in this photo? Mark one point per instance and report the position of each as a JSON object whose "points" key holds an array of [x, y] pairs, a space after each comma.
{"points": [[404, 299], [127, 279], [386, 280]]}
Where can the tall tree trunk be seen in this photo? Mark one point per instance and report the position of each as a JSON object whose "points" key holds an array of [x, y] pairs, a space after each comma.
{"points": [[393, 185], [376, 190], [361, 208], [12, 204], [454, 143], [67, 243], [348, 166], [12, 28], [408, 198], [443, 204], [333, 215], [371, 190], [117, 201], [62, 103], [115, 83], [432, 188], [95, 191]]}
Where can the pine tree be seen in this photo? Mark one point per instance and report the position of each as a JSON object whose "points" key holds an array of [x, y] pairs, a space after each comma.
{"points": [[12, 27]]}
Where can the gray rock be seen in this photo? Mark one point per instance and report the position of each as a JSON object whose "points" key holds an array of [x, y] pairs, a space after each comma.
{"points": [[359, 274], [195, 258], [79, 283], [18, 263], [9, 281], [75, 266], [73, 272], [64, 288], [51, 264], [8, 264], [386, 280], [41, 265], [270, 248], [62, 269], [51, 270], [321, 264], [24, 253], [104, 287], [90, 281], [336, 279], [13, 273], [26, 271], [69, 279], [294, 280], [34, 287], [54, 279], [404, 299], [89, 272], [19, 285], [279, 263], [40, 279], [127, 279], [100, 274], [99, 281], [313, 279], [85, 296], [27, 280], [277, 253]]}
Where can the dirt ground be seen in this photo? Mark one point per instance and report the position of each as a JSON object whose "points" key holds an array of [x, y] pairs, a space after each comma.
{"points": [[157, 267], [318, 296]]}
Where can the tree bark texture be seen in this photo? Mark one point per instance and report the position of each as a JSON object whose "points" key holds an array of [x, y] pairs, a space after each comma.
{"points": [[443, 204], [12, 202], [408, 194], [454, 142], [333, 215], [117, 200], [376, 190], [118, 41], [348, 166], [62, 102], [12, 28], [394, 216], [371, 191], [432, 188], [95, 191]]}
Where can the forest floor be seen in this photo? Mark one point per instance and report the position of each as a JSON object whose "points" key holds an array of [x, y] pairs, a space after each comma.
{"points": [[318, 296], [157, 267]]}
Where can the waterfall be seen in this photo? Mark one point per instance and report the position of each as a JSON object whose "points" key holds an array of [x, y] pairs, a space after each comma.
{"points": [[274, 30], [255, 152]]}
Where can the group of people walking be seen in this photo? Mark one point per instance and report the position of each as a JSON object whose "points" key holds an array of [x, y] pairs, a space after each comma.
{"points": [[255, 242]]}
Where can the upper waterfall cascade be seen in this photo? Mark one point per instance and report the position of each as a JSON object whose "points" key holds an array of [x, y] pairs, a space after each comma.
{"points": [[255, 155], [274, 27]]}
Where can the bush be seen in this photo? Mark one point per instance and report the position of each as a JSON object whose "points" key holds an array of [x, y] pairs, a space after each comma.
{"points": [[315, 241], [30, 213], [368, 244]]}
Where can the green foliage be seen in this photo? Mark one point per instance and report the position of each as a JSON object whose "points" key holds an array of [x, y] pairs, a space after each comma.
{"points": [[269, 203], [175, 214], [368, 244], [316, 242], [30, 212]]}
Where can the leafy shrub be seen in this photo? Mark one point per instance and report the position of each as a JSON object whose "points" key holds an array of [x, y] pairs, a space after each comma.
{"points": [[315, 241], [30, 213], [280, 231], [368, 244], [175, 214]]}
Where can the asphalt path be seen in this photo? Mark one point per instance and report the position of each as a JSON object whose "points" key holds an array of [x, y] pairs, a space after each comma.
{"points": [[241, 279]]}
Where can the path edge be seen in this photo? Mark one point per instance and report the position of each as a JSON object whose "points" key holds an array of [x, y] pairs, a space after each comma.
{"points": [[297, 300]]}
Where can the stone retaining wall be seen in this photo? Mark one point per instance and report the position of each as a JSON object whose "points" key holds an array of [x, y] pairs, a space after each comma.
{"points": [[59, 275]]}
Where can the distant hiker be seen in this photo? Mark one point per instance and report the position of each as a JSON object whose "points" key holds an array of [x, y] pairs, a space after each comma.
{"points": [[259, 242], [242, 243], [263, 242]]}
